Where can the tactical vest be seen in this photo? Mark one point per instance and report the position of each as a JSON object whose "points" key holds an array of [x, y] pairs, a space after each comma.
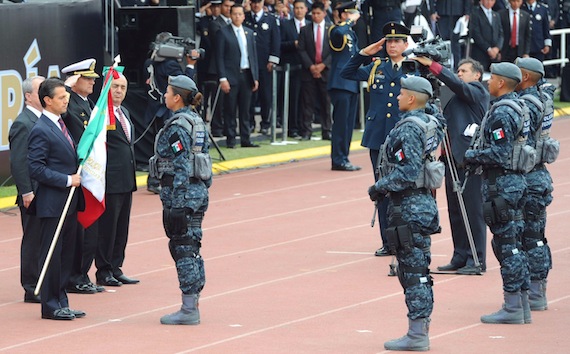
{"points": [[524, 155], [547, 148], [199, 159], [433, 171]]}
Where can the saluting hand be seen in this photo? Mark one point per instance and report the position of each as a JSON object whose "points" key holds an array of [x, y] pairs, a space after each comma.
{"points": [[374, 47]]}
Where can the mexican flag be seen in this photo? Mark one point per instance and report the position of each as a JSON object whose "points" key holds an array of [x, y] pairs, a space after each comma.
{"points": [[92, 153]]}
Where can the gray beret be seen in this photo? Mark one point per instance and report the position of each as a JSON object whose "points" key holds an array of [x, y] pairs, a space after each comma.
{"points": [[508, 70], [530, 64], [183, 82], [417, 84]]}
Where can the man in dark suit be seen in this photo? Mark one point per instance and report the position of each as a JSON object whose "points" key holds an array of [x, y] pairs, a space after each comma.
{"points": [[541, 39], [53, 164], [516, 44], [268, 44], [463, 112], [446, 13], [223, 20], [343, 92], [236, 59], [80, 82], [500, 5], [18, 138], [290, 55], [119, 186], [487, 34], [316, 64]]}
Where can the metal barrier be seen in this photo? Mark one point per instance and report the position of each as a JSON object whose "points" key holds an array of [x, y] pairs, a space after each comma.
{"points": [[285, 125], [563, 59]]}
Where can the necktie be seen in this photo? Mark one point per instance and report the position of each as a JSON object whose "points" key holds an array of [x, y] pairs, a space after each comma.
{"points": [[243, 61], [395, 67], [123, 122], [319, 46], [514, 31], [65, 132]]}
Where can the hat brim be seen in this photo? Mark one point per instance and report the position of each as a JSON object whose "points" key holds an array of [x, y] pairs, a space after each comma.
{"points": [[91, 75], [403, 36]]}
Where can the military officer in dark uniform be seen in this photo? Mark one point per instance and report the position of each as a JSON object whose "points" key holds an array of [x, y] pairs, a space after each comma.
{"points": [[383, 76], [541, 40], [268, 41], [184, 192], [343, 92]]}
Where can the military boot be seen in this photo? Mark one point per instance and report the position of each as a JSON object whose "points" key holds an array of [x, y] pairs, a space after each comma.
{"points": [[537, 295], [526, 307], [511, 313], [189, 314], [417, 338]]}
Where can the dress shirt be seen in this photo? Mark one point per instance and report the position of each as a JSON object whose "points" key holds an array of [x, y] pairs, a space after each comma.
{"points": [[299, 24], [322, 25]]}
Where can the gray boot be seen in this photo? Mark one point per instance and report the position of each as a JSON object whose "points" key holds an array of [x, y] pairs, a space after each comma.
{"points": [[417, 338], [189, 314], [537, 295], [511, 313], [526, 307]]}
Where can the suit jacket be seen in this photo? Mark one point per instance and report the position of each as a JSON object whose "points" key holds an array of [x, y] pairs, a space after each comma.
{"points": [[77, 115], [307, 50], [451, 7], [524, 31], [228, 54], [213, 28], [120, 173], [540, 27], [289, 52], [18, 138], [484, 35], [267, 37], [51, 159]]}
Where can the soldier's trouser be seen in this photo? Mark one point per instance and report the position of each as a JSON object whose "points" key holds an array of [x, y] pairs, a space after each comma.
{"points": [[185, 251], [539, 196], [413, 273]]}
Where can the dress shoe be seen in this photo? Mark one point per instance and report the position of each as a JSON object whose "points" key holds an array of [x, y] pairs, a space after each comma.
{"points": [[293, 135], [264, 131], [59, 314], [76, 313], [382, 252], [471, 270], [154, 189], [126, 280], [448, 268], [326, 136], [99, 289], [306, 137], [109, 281], [249, 145], [217, 134], [345, 167], [31, 298], [231, 144], [84, 288]]}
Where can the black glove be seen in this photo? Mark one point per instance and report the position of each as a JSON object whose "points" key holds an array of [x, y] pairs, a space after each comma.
{"points": [[177, 224], [374, 193]]}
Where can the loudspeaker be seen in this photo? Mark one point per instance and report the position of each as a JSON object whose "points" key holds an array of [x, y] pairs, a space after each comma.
{"points": [[138, 27]]}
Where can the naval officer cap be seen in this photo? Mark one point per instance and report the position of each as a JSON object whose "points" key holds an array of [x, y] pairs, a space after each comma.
{"points": [[183, 82], [395, 30], [84, 68], [508, 70], [346, 6], [417, 84], [530, 64]]}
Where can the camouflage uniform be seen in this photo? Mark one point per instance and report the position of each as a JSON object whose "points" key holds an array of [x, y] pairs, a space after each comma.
{"points": [[180, 191], [415, 207], [538, 197], [500, 129]]}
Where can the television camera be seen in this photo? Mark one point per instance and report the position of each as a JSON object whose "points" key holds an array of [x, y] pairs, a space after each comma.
{"points": [[167, 46]]}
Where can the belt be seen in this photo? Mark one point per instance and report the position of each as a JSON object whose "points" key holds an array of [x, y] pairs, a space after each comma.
{"points": [[493, 173], [397, 196], [241, 71]]}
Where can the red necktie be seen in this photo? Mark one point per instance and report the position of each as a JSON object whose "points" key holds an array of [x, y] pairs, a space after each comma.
{"points": [[514, 31], [123, 122], [319, 46], [65, 132]]}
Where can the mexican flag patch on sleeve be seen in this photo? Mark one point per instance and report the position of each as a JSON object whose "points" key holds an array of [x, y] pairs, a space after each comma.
{"points": [[177, 147], [399, 155], [498, 134]]}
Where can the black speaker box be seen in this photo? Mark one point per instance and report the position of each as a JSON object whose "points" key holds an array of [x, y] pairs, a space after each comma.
{"points": [[138, 27]]}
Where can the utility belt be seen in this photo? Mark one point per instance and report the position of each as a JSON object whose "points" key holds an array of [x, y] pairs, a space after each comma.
{"points": [[168, 180], [496, 210], [491, 174], [398, 196]]}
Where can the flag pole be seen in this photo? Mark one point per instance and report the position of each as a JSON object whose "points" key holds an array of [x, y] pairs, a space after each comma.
{"points": [[56, 236]]}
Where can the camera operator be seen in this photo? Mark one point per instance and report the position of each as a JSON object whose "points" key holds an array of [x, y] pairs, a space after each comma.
{"points": [[465, 109], [160, 68]]}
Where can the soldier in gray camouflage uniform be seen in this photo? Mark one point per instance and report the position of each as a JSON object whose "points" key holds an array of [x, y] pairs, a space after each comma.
{"points": [[504, 188], [539, 182], [412, 210], [184, 193]]}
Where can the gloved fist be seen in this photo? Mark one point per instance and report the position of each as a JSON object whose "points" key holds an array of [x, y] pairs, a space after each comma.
{"points": [[374, 193], [469, 157], [177, 224]]}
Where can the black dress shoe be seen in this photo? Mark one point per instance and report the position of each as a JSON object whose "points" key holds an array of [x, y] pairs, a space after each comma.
{"points": [[231, 144], [448, 268], [293, 135], [326, 136], [76, 313], [264, 131], [382, 252], [85, 288], [306, 137], [126, 280], [31, 298], [345, 167], [109, 281], [249, 145], [59, 314]]}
